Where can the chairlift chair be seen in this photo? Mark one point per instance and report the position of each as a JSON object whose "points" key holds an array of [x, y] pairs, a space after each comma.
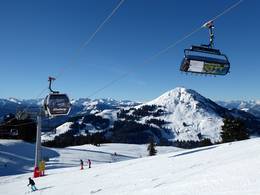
{"points": [[205, 59]]}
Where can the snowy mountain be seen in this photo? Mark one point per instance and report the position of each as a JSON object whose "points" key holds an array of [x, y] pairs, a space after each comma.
{"points": [[252, 106], [190, 115], [179, 115], [230, 169]]}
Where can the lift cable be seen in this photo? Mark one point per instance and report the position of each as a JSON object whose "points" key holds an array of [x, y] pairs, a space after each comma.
{"points": [[165, 49], [83, 45], [149, 59]]}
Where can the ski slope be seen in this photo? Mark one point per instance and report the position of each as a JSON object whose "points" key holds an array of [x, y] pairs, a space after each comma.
{"points": [[227, 169], [17, 157]]}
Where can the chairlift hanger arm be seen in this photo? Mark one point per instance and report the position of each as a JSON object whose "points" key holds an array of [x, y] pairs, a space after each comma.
{"points": [[210, 26], [50, 82]]}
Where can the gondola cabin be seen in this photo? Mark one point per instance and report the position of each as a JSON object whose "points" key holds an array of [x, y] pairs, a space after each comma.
{"points": [[204, 60], [56, 104]]}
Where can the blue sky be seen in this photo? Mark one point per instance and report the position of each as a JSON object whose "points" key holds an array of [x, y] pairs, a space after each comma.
{"points": [[39, 38]]}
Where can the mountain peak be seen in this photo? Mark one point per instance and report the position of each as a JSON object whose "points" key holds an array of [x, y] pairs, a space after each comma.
{"points": [[176, 96]]}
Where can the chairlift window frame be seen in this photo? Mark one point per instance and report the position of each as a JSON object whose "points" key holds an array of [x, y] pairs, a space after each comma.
{"points": [[206, 60]]}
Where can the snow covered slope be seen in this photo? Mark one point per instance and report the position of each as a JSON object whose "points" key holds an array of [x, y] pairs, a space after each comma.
{"points": [[17, 157], [230, 169]]}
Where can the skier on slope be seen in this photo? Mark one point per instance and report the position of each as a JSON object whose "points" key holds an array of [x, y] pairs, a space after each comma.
{"points": [[81, 164], [89, 163], [32, 183]]}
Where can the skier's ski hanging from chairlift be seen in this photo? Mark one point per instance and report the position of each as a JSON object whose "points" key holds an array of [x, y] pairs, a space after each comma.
{"points": [[205, 59], [56, 104]]}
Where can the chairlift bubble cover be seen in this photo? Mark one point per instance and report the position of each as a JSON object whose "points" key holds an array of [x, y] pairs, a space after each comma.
{"points": [[57, 104]]}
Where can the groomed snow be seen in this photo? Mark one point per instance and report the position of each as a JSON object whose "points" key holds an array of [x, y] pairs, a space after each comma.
{"points": [[17, 157], [227, 169]]}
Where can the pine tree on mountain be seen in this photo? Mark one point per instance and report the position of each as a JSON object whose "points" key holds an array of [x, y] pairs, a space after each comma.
{"points": [[233, 130], [151, 148]]}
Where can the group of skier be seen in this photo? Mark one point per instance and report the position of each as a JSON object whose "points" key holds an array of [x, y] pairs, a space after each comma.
{"points": [[32, 183], [82, 164]]}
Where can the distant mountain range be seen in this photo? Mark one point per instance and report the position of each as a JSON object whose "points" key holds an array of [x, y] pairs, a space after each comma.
{"points": [[177, 115], [13, 105], [79, 106], [86, 105], [252, 106], [82, 105]]}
